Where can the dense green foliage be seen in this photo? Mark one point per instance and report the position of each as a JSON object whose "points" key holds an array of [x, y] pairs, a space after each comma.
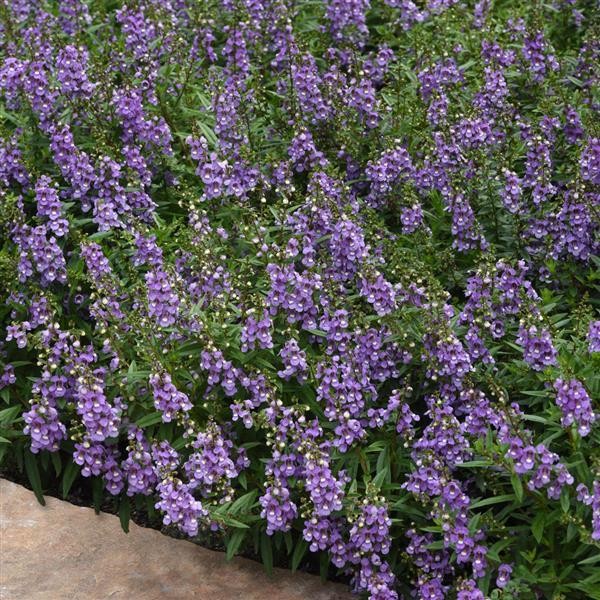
{"points": [[322, 276]]}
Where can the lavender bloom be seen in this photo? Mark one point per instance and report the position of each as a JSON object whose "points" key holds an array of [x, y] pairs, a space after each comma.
{"points": [[163, 302], [100, 419], [576, 405], [167, 398], [71, 64], [590, 162], [179, 506], [348, 249], [43, 426], [95, 459], [138, 467], [370, 531], [8, 376], [254, 332], [326, 492], [220, 371], [539, 61], [294, 362], [380, 293], [392, 167], [277, 508], [49, 206], [147, 252], [504, 572], [538, 350], [412, 218], [347, 15], [511, 193], [211, 464], [593, 336], [304, 154], [596, 511]]}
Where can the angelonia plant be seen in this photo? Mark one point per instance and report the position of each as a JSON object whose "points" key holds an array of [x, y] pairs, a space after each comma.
{"points": [[319, 275]]}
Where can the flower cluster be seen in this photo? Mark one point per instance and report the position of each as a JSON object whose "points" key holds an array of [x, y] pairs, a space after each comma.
{"points": [[318, 275]]}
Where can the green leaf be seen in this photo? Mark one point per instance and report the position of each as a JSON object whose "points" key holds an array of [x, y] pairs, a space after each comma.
{"points": [[125, 513], [33, 474], [537, 526], [56, 463], [289, 542], [150, 419], [517, 485], [7, 416], [234, 543], [243, 503], [233, 522], [299, 552], [266, 553], [380, 478], [494, 551], [565, 501], [69, 476], [493, 500], [591, 560], [97, 494], [474, 463], [317, 332], [324, 566]]}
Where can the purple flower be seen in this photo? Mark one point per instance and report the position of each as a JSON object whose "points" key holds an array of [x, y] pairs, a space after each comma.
{"points": [[257, 332], [504, 572], [167, 398], [277, 508], [594, 336], [576, 405], [538, 350], [163, 302]]}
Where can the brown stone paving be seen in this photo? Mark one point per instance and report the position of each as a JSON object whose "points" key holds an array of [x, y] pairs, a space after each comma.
{"points": [[66, 552]]}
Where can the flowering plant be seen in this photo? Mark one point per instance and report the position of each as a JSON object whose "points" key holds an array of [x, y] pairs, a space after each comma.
{"points": [[322, 276]]}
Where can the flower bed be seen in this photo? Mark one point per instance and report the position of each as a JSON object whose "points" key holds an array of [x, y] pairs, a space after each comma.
{"points": [[322, 276]]}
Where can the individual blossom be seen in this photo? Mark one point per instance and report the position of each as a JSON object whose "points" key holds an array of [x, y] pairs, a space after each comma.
{"points": [[503, 577]]}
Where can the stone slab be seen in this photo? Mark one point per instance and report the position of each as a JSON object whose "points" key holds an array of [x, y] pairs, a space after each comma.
{"points": [[66, 552]]}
